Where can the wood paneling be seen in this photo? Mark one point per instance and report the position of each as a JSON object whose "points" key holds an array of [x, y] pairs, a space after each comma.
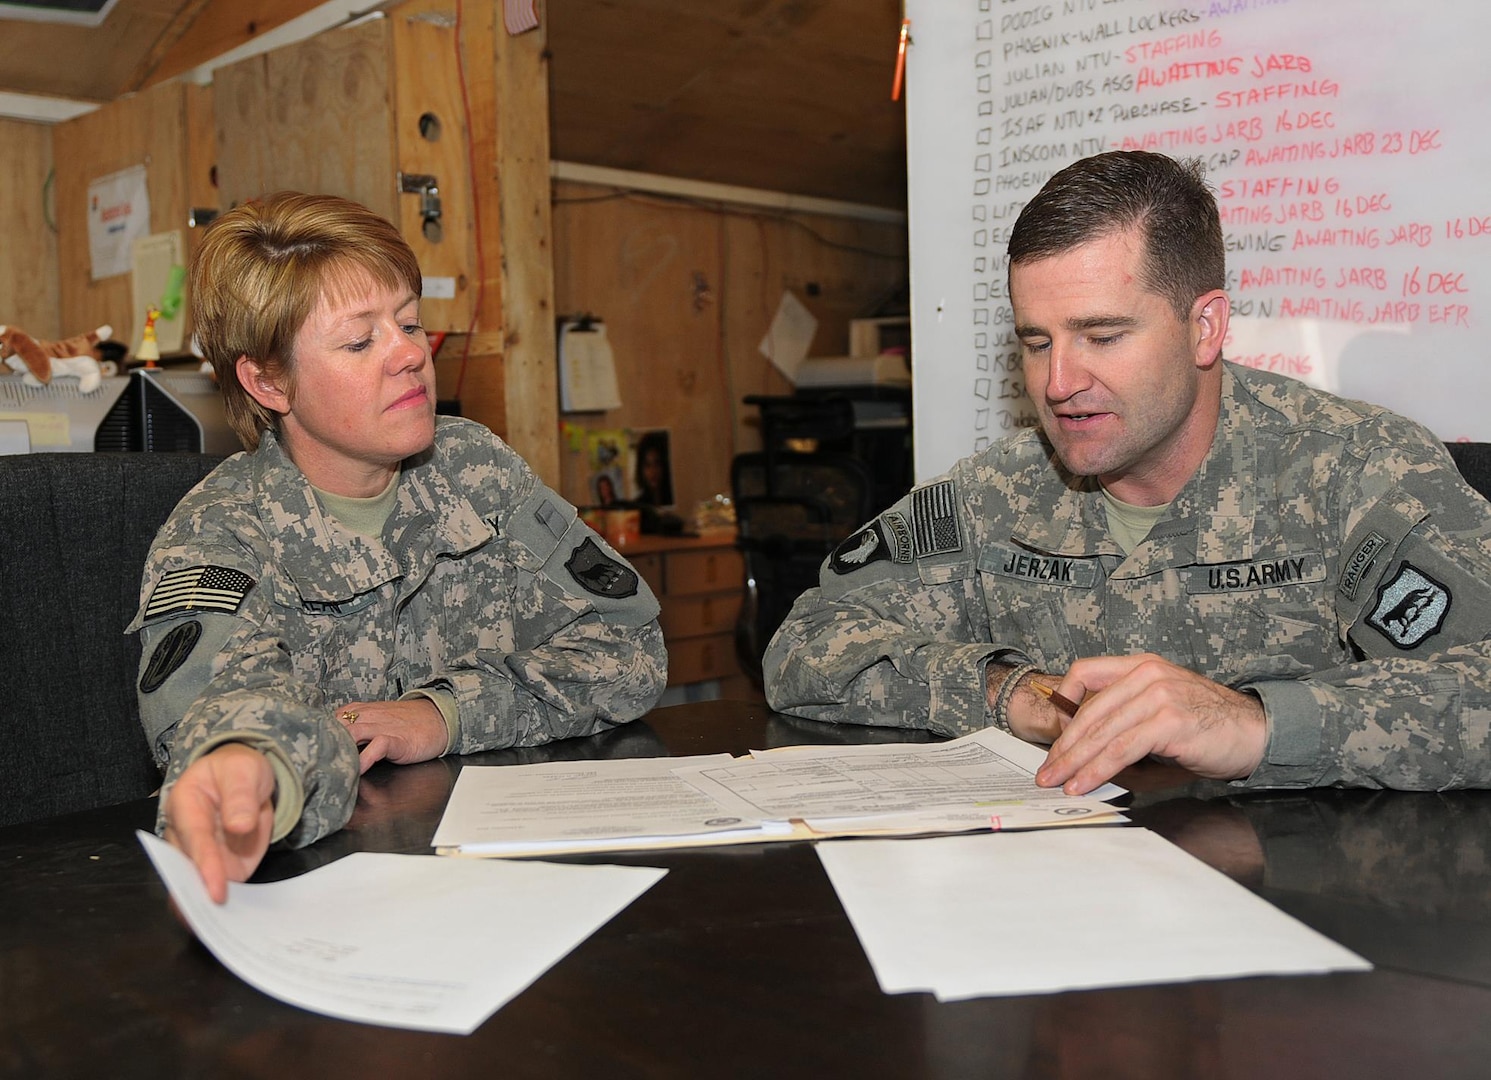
{"points": [[316, 116], [427, 85], [687, 293], [151, 128], [28, 272], [786, 95]]}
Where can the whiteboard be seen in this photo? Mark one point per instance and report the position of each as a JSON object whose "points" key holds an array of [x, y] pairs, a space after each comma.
{"points": [[1349, 145]]}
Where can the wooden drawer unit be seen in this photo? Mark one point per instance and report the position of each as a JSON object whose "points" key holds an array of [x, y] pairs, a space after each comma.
{"points": [[700, 584], [712, 570]]}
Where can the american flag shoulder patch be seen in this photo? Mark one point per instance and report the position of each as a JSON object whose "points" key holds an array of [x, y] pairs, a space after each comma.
{"points": [[934, 520], [198, 588]]}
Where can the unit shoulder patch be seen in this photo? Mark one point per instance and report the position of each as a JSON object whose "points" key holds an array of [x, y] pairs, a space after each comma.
{"points": [[599, 574], [1410, 607], [170, 653], [860, 549]]}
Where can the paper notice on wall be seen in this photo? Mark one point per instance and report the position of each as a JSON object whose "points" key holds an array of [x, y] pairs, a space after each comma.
{"points": [[786, 342], [154, 258], [118, 214], [587, 368]]}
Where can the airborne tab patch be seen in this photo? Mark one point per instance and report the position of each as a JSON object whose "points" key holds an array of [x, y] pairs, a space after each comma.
{"points": [[599, 574], [198, 588], [1410, 607]]}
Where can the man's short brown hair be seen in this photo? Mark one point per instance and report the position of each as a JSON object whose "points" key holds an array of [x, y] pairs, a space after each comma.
{"points": [[1169, 200]]}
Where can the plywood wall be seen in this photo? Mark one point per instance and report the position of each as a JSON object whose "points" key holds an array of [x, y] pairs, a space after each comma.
{"points": [[28, 282], [686, 293], [163, 129], [316, 116]]}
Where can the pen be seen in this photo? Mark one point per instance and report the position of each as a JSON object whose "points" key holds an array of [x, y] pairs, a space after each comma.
{"points": [[1065, 704]]}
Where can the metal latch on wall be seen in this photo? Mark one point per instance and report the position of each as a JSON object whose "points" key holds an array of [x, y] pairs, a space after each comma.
{"points": [[428, 190]]}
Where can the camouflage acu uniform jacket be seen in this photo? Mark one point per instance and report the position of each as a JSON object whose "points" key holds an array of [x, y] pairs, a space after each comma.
{"points": [[1326, 556], [260, 614]]}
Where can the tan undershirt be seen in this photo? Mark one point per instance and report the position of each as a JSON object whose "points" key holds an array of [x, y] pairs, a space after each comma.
{"points": [[1129, 524]]}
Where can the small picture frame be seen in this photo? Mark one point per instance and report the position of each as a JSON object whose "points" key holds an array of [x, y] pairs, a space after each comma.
{"points": [[652, 467]]}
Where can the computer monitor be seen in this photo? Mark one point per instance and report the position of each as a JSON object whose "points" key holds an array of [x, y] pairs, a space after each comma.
{"points": [[60, 417], [183, 410]]}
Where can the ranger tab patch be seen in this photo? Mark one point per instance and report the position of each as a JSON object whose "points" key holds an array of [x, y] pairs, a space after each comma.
{"points": [[598, 573], [198, 588], [1410, 607]]}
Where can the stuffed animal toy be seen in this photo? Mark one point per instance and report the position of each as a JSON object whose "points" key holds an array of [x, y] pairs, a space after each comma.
{"points": [[37, 361]]}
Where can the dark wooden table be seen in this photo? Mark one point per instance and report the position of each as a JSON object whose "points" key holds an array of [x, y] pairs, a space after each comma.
{"points": [[740, 963]]}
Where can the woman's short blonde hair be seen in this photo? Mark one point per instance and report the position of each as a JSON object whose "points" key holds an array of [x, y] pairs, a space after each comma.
{"points": [[262, 269]]}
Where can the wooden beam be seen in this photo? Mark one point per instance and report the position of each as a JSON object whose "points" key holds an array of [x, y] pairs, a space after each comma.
{"points": [[527, 251], [205, 29], [163, 44]]}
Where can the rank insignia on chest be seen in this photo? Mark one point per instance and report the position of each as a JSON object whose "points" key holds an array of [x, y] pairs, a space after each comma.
{"points": [[599, 574], [1410, 607]]}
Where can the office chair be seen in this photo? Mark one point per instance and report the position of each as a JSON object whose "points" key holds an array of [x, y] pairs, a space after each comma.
{"points": [[74, 530], [791, 510], [1473, 459]]}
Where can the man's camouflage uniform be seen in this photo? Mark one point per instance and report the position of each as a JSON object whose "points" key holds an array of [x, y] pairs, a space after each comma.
{"points": [[1326, 556], [261, 614]]}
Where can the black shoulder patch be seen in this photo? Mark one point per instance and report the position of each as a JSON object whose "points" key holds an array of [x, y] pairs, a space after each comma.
{"points": [[598, 573], [1410, 607], [198, 588], [860, 550], [170, 653]]}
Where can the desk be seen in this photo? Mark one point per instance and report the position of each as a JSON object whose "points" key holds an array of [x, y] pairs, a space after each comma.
{"points": [[741, 963], [699, 582]]}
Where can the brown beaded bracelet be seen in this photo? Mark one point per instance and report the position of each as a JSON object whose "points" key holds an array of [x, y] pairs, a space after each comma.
{"points": [[1006, 691]]}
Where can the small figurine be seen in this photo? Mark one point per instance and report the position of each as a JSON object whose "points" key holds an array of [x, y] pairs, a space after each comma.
{"points": [[149, 350]]}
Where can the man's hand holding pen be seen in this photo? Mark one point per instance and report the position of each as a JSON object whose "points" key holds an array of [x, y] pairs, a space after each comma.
{"points": [[1125, 708], [1108, 712]]}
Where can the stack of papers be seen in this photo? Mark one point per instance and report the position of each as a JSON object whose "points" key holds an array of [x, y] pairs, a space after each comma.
{"points": [[984, 781]]}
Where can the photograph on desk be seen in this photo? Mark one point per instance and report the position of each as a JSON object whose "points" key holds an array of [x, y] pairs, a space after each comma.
{"points": [[651, 469], [606, 460]]}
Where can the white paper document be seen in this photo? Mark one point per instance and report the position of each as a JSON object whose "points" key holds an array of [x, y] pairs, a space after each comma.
{"points": [[575, 805], [587, 369], [405, 941], [790, 335], [981, 781], [1028, 913]]}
